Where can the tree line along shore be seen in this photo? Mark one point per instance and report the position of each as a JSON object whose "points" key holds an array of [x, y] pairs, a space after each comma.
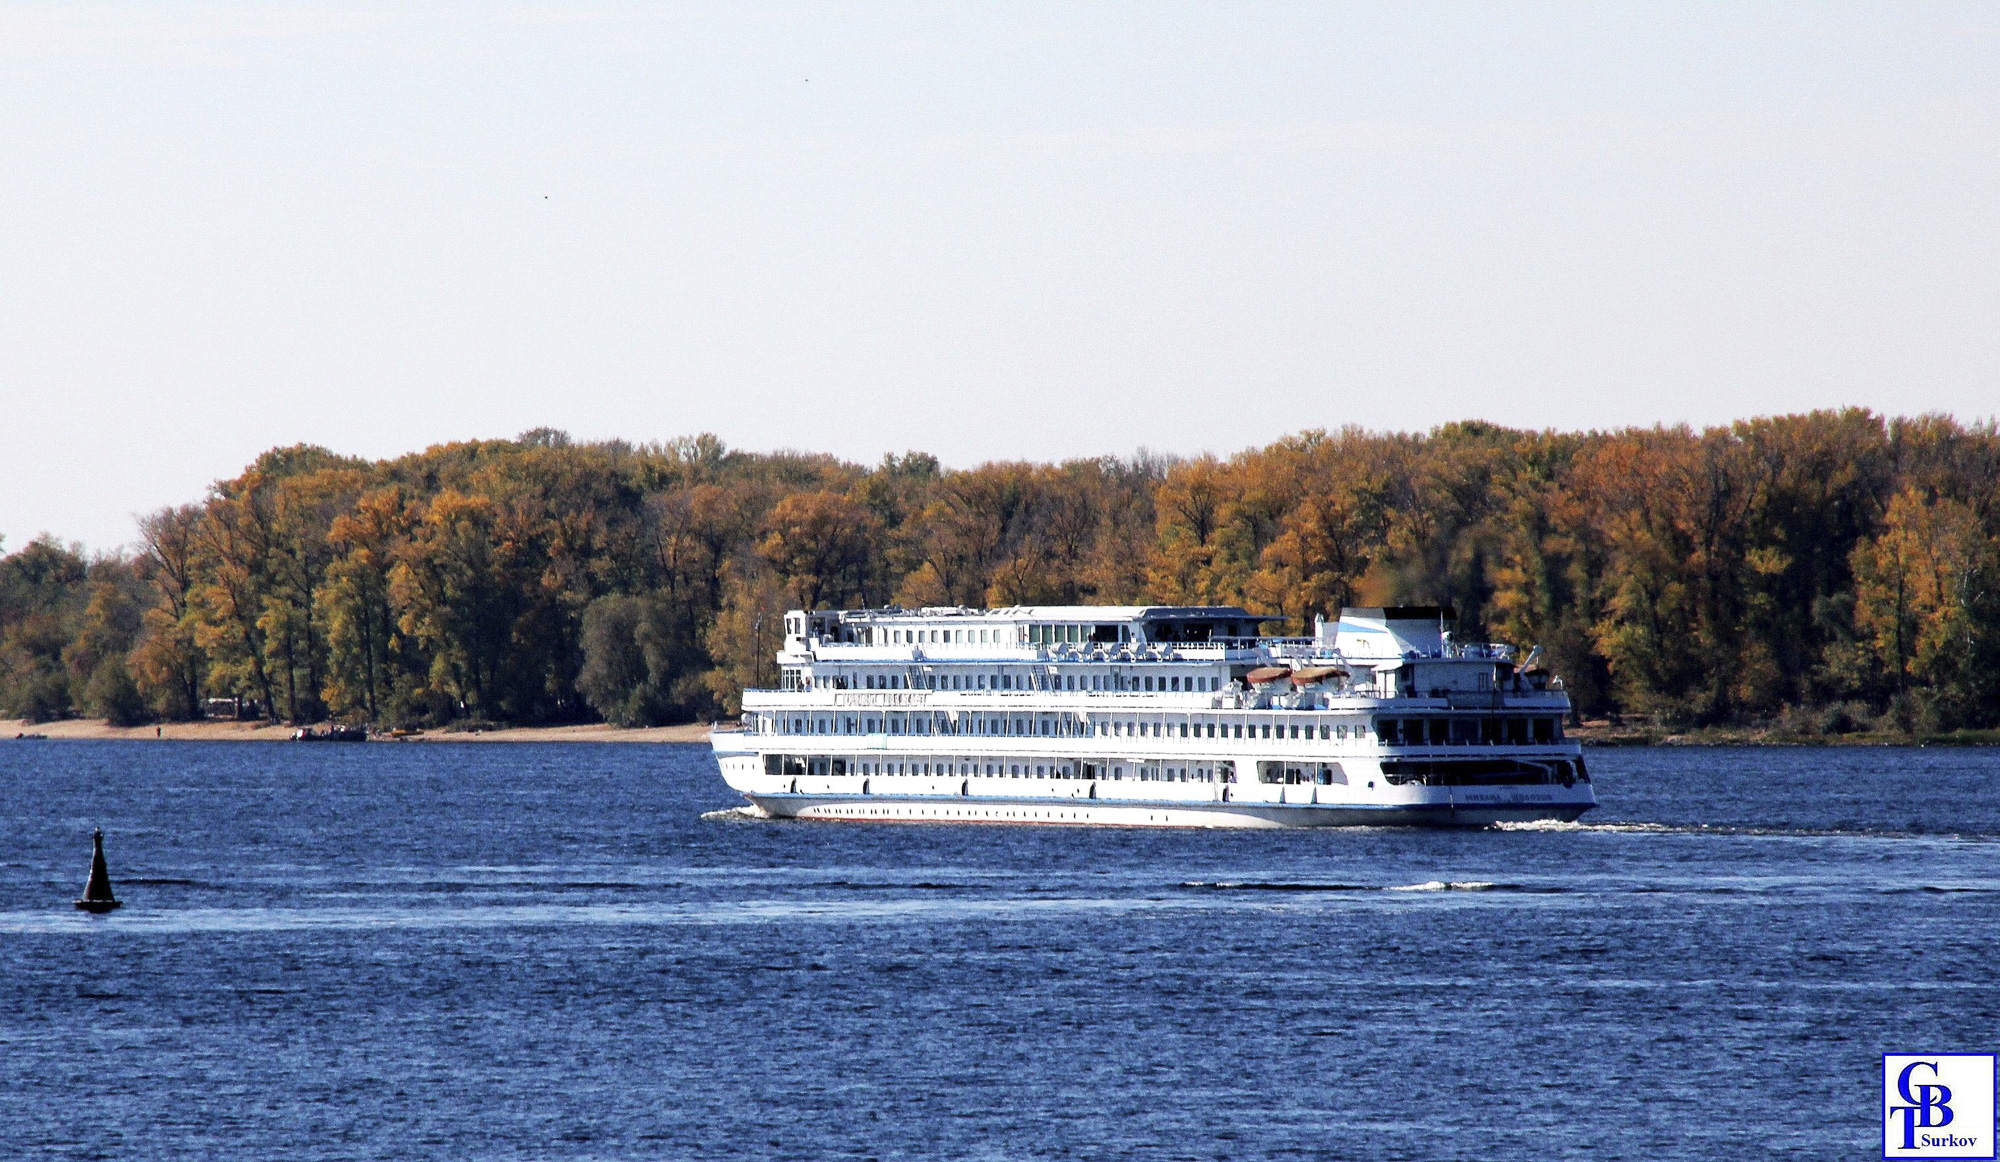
{"points": [[1825, 575], [1593, 733]]}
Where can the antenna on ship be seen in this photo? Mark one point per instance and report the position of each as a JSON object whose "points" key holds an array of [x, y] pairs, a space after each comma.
{"points": [[97, 895]]}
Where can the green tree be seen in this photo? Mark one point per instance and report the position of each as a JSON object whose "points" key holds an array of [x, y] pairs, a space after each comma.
{"points": [[1928, 602], [95, 656], [41, 600], [746, 635], [235, 537], [636, 665], [454, 585], [371, 671], [822, 543], [166, 662]]}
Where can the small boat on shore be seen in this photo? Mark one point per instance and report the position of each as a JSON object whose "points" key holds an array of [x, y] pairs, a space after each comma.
{"points": [[334, 733]]}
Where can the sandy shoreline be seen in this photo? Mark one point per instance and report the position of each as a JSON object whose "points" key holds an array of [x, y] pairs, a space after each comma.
{"points": [[89, 728]]}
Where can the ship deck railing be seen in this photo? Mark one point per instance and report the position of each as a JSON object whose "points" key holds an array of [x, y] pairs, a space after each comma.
{"points": [[1214, 649]]}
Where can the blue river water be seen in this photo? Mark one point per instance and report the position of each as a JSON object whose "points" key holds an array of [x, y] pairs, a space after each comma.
{"points": [[575, 952]]}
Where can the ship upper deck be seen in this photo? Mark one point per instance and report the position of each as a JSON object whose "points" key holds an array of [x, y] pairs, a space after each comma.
{"points": [[1200, 650], [1124, 634]]}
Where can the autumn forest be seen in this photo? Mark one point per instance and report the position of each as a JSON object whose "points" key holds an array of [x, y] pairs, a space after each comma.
{"points": [[1835, 571]]}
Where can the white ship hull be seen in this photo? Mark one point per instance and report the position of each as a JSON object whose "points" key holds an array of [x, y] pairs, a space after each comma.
{"points": [[877, 809], [918, 799]]}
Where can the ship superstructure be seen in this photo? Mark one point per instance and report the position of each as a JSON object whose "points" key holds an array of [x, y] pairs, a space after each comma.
{"points": [[1152, 715]]}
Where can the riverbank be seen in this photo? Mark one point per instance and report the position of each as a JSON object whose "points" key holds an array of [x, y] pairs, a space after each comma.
{"points": [[89, 728], [1590, 734]]}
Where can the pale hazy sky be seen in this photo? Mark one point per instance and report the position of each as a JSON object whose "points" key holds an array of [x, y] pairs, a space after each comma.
{"points": [[1009, 231]]}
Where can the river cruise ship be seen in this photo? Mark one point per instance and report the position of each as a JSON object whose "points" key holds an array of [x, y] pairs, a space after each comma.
{"points": [[1152, 716]]}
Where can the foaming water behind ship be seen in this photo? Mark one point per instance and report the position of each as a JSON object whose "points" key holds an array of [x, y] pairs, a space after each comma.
{"points": [[577, 951]]}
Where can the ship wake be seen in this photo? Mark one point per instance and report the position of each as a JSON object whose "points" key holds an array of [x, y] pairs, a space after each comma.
{"points": [[1738, 829]]}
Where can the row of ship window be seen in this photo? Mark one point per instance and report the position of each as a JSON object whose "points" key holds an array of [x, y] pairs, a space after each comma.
{"points": [[1485, 729], [1399, 772], [1036, 634], [881, 635], [1471, 730], [1066, 725], [1484, 772], [1079, 683], [810, 766]]}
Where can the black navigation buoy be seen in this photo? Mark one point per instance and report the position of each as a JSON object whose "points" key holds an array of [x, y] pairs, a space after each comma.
{"points": [[97, 895]]}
